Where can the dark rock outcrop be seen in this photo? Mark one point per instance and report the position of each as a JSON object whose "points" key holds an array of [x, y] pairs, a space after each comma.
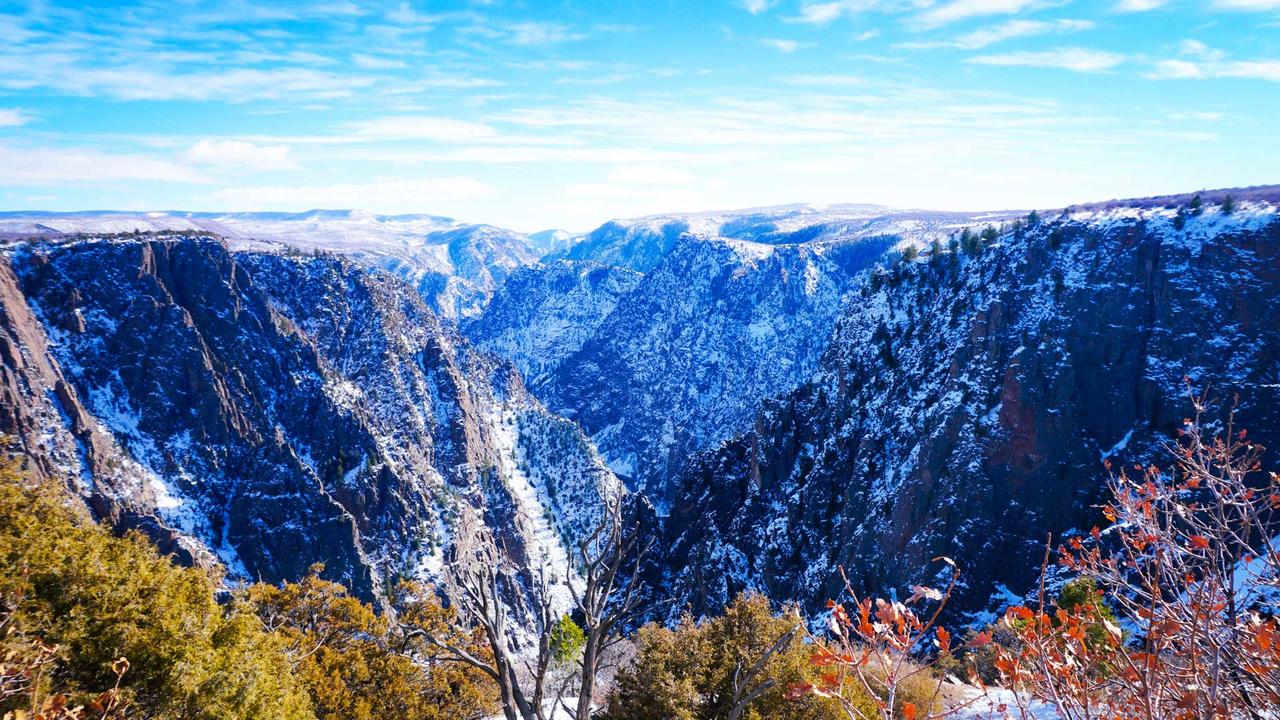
{"points": [[277, 411]]}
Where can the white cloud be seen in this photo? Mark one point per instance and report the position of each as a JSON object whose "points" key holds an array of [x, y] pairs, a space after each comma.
{"points": [[755, 7], [965, 9], [820, 12], [649, 174], [1205, 117], [74, 166], [1140, 5], [239, 154], [542, 33], [785, 46], [1201, 62], [381, 195], [825, 80], [1197, 49], [413, 127], [374, 62], [13, 117], [1203, 70], [1017, 29], [1247, 4], [74, 76], [1075, 59]]}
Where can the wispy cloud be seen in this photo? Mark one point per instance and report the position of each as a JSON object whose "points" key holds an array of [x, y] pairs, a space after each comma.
{"points": [[825, 80], [956, 10], [1247, 4], [785, 46], [407, 127], [236, 154], [650, 174], [75, 166], [1140, 5], [375, 62], [1020, 28], [1198, 61], [1202, 70], [755, 7], [1075, 59], [821, 12], [542, 33], [13, 117]]}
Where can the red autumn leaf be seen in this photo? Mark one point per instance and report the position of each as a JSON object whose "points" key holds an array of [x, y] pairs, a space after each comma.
{"points": [[1199, 542], [982, 639], [944, 639]]}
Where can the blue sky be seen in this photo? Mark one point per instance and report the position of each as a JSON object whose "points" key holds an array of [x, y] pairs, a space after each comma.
{"points": [[564, 114]]}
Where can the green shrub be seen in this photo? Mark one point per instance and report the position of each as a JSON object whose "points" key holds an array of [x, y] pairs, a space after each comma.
{"points": [[98, 598]]}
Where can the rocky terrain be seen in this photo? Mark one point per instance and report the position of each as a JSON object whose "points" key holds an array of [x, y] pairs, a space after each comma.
{"points": [[796, 389], [273, 411], [661, 335], [966, 405], [455, 266]]}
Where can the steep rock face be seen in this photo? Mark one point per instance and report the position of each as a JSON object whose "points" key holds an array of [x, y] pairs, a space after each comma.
{"points": [[683, 359], [182, 359], [286, 410], [546, 312], [43, 419], [964, 406]]}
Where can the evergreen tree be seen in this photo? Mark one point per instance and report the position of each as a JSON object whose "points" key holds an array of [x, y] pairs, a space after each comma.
{"points": [[100, 598], [349, 658]]}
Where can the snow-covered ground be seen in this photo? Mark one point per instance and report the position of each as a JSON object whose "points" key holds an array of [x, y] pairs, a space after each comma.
{"points": [[997, 704]]}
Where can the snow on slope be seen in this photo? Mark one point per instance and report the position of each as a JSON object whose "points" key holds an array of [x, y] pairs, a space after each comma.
{"points": [[965, 401], [456, 267]]}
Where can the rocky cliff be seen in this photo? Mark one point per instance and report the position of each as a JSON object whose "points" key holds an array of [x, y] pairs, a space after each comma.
{"points": [[274, 411], [965, 405]]}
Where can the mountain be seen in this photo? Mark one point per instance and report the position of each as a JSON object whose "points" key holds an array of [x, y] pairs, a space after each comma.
{"points": [[683, 359], [547, 241], [965, 405], [642, 243], [546, 312], [457, 267], [272, 411], [661, 335], [797, 388]]}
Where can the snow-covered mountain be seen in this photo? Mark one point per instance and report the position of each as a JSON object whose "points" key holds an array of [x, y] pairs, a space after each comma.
{"points": [[547, 312], [966, 403], [456, 267], [641, 244], [275, 410], [661, 335], [798, 388]]}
